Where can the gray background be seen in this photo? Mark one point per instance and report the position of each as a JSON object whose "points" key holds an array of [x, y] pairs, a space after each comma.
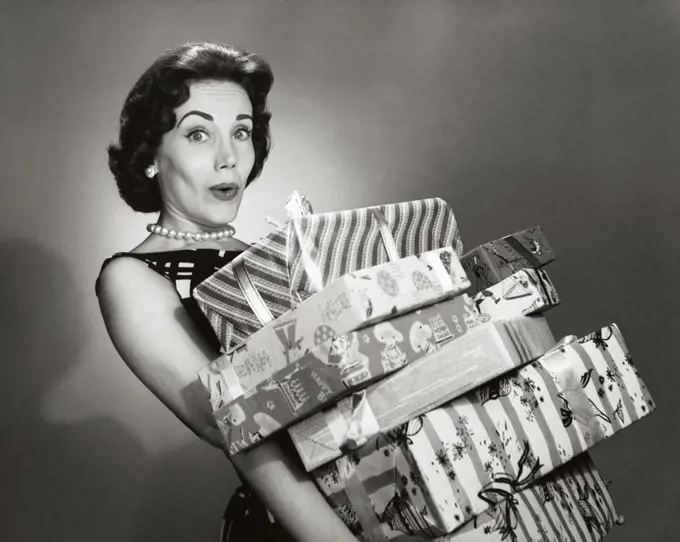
{"points": [[564, 113]]}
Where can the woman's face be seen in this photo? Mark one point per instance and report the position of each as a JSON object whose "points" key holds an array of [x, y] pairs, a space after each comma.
{"points": [[205, 160]]}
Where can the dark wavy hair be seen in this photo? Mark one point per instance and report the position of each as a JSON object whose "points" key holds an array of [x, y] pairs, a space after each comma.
{"points": [[148, 112]]}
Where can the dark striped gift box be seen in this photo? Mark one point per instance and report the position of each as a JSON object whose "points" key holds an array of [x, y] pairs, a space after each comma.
{"points": [[302, 256], [490, 263]]}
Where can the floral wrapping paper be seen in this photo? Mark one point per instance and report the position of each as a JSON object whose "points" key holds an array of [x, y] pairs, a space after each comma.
{"points": [[472, 359], [442, 469], [496, 260], [348, 303], [571, 504], [527, 291], [307, 253]]}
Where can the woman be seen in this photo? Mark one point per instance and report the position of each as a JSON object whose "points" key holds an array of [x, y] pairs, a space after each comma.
{"points": [[194, 132]]}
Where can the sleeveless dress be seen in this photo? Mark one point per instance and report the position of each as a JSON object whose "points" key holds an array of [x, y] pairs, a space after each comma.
{"points": [[245, 518]]}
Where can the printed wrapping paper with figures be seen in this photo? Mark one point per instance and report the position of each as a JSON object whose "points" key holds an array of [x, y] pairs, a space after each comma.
{"points": [[353, 301], [350, 302], [347, 362], [446, 465], [304, 255]]}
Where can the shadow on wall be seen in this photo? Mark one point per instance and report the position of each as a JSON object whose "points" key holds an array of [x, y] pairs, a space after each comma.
{"points": [[89, 481]]}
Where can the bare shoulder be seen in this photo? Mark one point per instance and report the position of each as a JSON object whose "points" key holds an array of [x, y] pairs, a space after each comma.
{"points": [[157, 339]]}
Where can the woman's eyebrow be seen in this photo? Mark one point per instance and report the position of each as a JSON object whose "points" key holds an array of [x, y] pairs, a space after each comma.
{"points": [[206, 116]]}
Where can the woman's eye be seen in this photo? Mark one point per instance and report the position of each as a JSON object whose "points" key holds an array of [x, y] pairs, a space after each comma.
{"points": [[242, 134], [197, 136]]}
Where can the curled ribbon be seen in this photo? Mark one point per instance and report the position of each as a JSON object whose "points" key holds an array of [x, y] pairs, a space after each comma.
{"points": [[361, 502], [499, 493], [564, 341]]}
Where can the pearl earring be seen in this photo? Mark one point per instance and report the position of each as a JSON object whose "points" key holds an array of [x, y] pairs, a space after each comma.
{"points": [[151, 171]]}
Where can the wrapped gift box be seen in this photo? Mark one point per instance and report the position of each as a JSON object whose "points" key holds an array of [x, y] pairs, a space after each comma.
{"points": [[348, 303], [494, 261], [357, 357], [570, 504], [337, 367], [309, 252], [505, 434], [528, 291], [477, 357]]}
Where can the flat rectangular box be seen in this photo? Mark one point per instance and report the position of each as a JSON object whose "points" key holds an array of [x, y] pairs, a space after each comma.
{"points": [[340, 365], [496, 260], [477, 357], [527, 291], [365, 354], [350, 302]]}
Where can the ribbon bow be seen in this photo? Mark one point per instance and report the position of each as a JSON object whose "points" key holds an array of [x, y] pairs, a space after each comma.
{"points": [[499, 494]]}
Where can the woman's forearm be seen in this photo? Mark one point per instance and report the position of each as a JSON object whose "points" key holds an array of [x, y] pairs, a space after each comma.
{"points": [[290, 495]]}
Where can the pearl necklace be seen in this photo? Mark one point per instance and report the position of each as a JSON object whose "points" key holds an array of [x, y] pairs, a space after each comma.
{"points": [[224, 233]]}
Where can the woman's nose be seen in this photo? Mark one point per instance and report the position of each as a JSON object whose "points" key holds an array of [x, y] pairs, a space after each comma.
{"points": [[226, 158]]}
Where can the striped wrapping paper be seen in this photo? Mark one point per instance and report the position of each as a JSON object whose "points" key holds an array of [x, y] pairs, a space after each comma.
{"points": [[437, 472], [571, 504], [302, 256]]}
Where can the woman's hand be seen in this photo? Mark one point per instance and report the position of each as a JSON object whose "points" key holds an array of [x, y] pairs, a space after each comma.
{"points": [[275, 474]]}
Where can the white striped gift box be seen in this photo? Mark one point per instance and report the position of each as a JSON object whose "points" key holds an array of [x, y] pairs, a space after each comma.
{"points": [[504, 434], [572, 504], [301, 257]]}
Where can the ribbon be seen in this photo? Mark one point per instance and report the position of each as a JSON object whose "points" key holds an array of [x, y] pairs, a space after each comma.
{"points": [[387, 239], [498, 494], [251, 294], [222, 381], [560, 345], [577, 404], [298, 205], [362, 424], [360, 500]]}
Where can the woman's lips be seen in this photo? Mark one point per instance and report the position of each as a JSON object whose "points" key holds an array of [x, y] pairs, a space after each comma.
{"points": [[225, 191]]}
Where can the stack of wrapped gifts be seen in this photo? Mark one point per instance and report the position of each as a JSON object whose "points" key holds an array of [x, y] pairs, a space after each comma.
{"points": [[422, 386]]}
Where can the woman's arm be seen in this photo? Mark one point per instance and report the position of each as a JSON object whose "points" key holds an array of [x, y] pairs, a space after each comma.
{"points": [[157, 339]]}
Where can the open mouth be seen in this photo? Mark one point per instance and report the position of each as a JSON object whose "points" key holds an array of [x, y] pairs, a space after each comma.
{"points": [[225, 191]]}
